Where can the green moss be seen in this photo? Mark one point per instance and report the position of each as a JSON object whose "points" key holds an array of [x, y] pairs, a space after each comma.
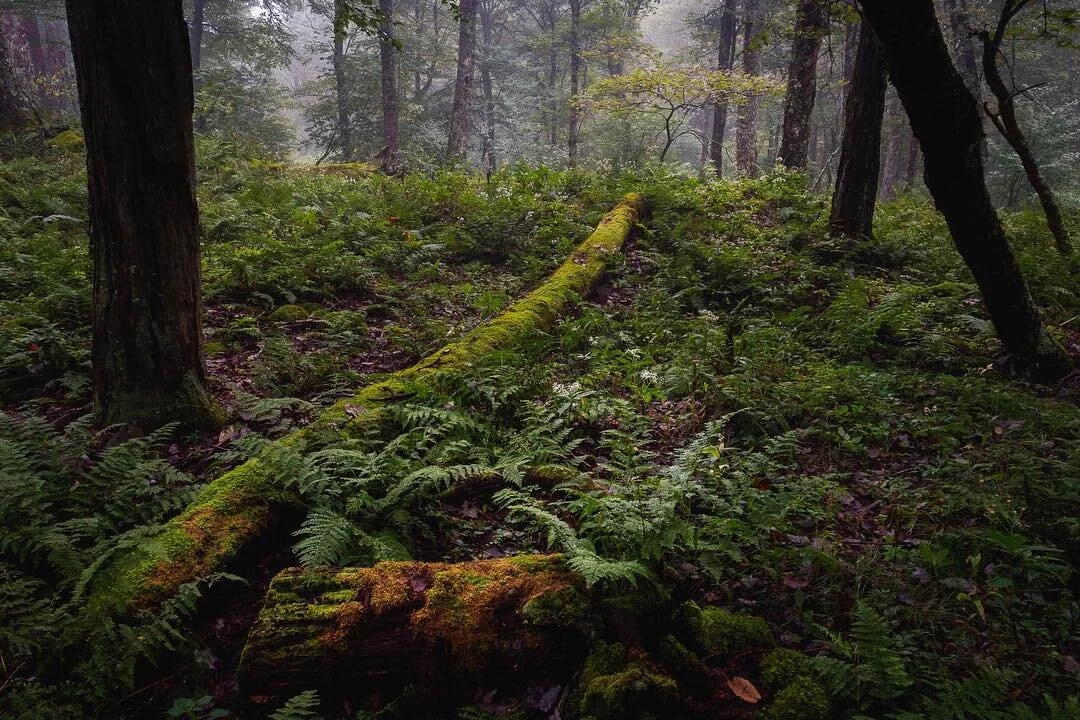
{"points": [[682, 661], [719, 632], [565, 607], [781, 666], [801, 700], [288, 313], [635, 692]]}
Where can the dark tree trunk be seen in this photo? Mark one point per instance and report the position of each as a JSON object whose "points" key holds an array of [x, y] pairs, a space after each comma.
{"points": [[388, 59], [725, 61], [811, 23], [746, 129], [458, 146], [1006, 123], [911, 168], [133, 66], [341, 85], [13, 111], [575, 79], [195, 33], [487, 20], [860, 152], [945, 119]]}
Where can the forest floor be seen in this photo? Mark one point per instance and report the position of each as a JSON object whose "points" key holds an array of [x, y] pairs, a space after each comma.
{"points": [[746, 414]]}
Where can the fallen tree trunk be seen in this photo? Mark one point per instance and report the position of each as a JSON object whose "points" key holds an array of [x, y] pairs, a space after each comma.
{"points": [[233, 510], [354, 630]]}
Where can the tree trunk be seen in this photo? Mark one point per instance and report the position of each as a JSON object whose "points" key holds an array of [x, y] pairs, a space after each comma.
{"points": [[725, 61], [388, 58], [894, 148], [857, 175], [341, 86], [487, 21], [458, 147], [811, 23], [364, 628], [945, 119], [746, 130], [1006, 123], [195, 33], [963, 45], [133, 66], [13, 112], [575, 71]]}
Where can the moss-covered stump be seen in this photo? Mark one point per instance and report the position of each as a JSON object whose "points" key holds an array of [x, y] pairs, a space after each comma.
{"points": [[347, 630], [236, 508]]}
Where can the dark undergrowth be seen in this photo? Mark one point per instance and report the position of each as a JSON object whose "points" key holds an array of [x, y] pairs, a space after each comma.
{"points": [[749, 414]]}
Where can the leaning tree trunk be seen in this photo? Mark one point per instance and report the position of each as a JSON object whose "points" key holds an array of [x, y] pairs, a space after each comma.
{"points": [[724, 61], [811, 23], [853, 200], [945, 119], [387, 50], [1006, 123], [746, 129], [575, 80], [963, 44], [440, 623], [133, 67], [459, 116], [487, 20], [341, 85]]}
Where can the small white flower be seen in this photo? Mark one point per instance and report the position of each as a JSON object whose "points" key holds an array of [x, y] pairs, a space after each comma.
{"points": [[649, 375]]}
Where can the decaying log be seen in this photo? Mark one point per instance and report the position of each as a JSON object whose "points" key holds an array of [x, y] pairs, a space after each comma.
{"points": [[233, 510], [347, 631]]}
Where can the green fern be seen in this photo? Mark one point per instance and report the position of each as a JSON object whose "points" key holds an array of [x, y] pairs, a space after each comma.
{"points": [[304, 706]]}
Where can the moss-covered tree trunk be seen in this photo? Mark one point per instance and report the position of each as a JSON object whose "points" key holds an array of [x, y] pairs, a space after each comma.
{"points": [[860, 149], [945, 119], [134, 73], [346, 630], [811, 24], [341, 84], [235, 509]]}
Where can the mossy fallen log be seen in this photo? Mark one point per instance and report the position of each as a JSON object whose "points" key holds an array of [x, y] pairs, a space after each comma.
{"points": [[347, 631], [236, 508]]}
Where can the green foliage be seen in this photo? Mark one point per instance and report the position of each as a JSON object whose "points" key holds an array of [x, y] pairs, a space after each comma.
{"points": [[304, 706]]}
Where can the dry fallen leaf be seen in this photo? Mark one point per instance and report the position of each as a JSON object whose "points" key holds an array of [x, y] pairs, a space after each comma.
{"points": [[744, 689]]}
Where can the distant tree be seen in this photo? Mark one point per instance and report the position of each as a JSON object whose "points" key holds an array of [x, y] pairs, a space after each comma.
{"points": [[811, 24], [458, 144], [388, 85], [670, 95], [341, 82], [746, 152], [946, 121], [1003, 116], [574, 123], [133, 66], [14, 110], [855, 193], [725, 61]]}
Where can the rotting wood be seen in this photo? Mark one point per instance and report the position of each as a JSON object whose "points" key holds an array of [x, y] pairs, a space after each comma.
{"points": [[236, 508]]}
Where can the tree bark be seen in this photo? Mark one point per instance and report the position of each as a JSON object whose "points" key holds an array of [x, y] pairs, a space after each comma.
{"points": [[725, 61], [13, 112], [1006, 123], [195, 33], [575, 79], [963, 46], [746, 155], [388, 60], [341, 85], [487, 20], [133, 66], [811, 23], [425, 622], [458, 145], [894, 148], [945, 119], [853, 201]]}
